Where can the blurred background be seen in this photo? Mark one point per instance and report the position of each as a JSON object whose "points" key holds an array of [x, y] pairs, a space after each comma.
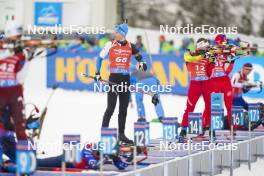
{"points": [[142, 15], [247, 15]]}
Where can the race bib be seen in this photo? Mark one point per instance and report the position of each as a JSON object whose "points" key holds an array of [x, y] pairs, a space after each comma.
{"points": [[198, 70], [219, 68]]}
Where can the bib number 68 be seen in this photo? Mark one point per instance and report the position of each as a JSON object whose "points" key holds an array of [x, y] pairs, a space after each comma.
{"points": [[121, 59]]}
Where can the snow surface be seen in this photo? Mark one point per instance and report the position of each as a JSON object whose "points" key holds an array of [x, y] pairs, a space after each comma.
{"points": [[81, 112]]}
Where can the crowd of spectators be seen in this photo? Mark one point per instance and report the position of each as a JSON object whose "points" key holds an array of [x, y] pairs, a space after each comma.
{"points": [[94, 43]]}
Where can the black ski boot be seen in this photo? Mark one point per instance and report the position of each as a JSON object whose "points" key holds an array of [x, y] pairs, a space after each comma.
{"points": [[123, 140], [214, 135], [257, 124], [201, 135], [141, 120], [182, 135], [234, 133], [262, 121]]}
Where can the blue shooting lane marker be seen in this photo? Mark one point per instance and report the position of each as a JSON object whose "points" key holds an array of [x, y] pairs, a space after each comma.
{"points": [[217, 119], [238, 116], [2, 131], [147, 134], [26, 161], [177, 125], [140, 134], [195, 123], [71, 148], [253, 112], [169, 128], [217, 101], [1, 155], [109, 140]]}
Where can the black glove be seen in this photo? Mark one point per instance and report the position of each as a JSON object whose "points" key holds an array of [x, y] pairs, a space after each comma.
{"points": [[97, 76], [142, 66], [246, 89], [31, 53], [207, 55], [155, 99]]}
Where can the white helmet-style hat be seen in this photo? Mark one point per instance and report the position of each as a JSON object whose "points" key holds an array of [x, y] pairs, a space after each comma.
{"points": [[12, 29], [202, 44]]}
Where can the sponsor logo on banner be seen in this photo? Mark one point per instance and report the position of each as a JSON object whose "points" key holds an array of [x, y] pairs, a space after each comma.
{"points": [[48, 13], [66, 68]]}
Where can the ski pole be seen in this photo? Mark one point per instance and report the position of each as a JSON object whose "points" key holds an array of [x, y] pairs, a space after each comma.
{"points": [[148, 49], [44, 111]]}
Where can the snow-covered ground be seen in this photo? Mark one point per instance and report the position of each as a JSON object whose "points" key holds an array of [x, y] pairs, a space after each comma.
{"points": [[80, 112]]}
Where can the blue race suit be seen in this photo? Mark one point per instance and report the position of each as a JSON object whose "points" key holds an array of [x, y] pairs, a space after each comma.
{"points": [[147, 81]]}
